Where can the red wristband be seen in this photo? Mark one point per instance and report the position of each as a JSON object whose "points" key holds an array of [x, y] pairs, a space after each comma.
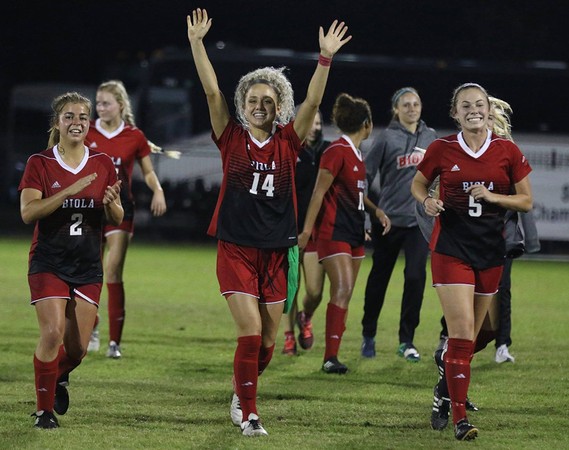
{"points": [[323, 61]]}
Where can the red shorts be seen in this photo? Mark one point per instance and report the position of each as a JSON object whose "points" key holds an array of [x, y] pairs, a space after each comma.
{"points": [[326, 249], [450, 270], [310, 247], [126, 225], [258, 272], [47, 285]]}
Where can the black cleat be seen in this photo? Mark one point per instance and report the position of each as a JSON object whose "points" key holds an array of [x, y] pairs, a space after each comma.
{"points": [[470, 406], [61, 399], [61, 404], [440, 412], [465, 431], [332, 365], [45, 420]]}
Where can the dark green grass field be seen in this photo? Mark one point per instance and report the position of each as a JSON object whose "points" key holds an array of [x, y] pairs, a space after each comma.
{"points": [[172, 388]]}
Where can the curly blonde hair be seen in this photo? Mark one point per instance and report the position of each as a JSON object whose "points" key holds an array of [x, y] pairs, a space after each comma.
{"points": [[273, 77], [501, 111]]}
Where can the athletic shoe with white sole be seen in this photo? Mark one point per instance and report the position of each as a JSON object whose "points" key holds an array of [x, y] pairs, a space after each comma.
{"points": [[235, 411], [252, 427], [409, 352], [94, 341], [114, 350], [503, 354]]}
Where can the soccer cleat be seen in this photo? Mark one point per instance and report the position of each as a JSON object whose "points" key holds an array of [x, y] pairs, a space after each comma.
{"points": [[368, 347], [332, 365], [305, 336], [470, 406], [503, 354], [235, 411], [45, 420], [252, 427], [409, 352], [94, 342], [114, 350], [465, 431], [442, 343], [440, 412], [289, 346], [61, 404]]}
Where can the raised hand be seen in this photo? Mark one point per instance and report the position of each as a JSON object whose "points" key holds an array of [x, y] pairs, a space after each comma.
{"points": [[198, 24], [334, 38]]}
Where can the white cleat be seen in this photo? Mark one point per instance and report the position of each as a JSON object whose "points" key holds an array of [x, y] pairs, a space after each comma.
{"points": [[235, 411], [114, 350], [253, 427], [503, 354], [94, 342]]}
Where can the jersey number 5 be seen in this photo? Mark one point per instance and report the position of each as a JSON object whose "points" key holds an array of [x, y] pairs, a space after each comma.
{"points": [[474, 208], [75, 228], [267, 186]]}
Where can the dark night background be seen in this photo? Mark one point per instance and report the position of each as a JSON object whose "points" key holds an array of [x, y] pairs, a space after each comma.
{"points": [[516, 49], [80, 40]]}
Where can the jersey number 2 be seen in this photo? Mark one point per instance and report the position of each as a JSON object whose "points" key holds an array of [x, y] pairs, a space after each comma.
{"points": [[75, 228], [267, 186]]}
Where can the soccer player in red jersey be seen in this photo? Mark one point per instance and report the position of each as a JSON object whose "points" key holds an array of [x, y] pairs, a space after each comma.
{"points": [[477, 170], [116, 134], [337, 214], [313, 272], [67, 191], [255, 216]]}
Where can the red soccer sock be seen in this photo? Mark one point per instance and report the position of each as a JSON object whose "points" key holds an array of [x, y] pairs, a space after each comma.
{"points": [[65, 363], [45, 379], [116, 307], [246, 372], [335, 326], [457, 371], [265, 356]]}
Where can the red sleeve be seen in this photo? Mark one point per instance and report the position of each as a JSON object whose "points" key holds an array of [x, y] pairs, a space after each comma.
{"points": [[520, 164], [32, 175], [430, 165], [332, 159], [142, 147]]}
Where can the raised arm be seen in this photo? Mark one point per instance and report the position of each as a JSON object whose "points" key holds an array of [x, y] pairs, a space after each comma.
{"points": [[198, 26], [329, 45]]}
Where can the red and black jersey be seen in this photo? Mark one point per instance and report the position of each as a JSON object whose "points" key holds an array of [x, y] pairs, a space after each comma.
{"points": [[307, 166], [257, 202], [342, 215], [68, 241], [125, 145], [472, 230]]}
